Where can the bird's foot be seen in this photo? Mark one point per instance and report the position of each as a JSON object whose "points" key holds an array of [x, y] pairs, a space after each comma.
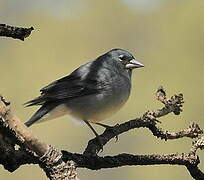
{"points": [[98, 138], [110, 128], [116, 132]]}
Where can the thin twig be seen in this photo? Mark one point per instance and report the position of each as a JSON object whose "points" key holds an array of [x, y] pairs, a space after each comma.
{"points": [[148, 120]]}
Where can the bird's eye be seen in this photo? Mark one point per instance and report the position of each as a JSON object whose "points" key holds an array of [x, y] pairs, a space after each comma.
{"points": [[121, 57]]}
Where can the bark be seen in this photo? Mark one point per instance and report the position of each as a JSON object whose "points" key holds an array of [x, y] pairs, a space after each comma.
{"points": [[62, 165], [15, 32]]}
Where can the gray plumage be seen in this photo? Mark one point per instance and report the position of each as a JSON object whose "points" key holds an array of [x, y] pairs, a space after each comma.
{"points": [[91, 93]]}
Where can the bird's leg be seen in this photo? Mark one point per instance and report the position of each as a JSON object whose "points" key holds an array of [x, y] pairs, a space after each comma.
{"points": [[103, 125], [109, 127], [94, 131], [96, 134]]}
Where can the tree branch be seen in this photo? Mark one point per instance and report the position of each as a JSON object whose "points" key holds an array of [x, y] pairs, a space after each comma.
{"points": [[48, 158], [11, 134], [148, 120], [15, 32], [96, 162], [190, 161]]}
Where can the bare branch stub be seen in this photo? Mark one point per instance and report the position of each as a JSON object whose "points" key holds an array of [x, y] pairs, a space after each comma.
{"points": [[193, 131], [199, 144], [161, 95], [15, 32]]}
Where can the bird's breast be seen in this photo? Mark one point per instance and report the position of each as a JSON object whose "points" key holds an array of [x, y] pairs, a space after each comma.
{"points": [[97, 107]]}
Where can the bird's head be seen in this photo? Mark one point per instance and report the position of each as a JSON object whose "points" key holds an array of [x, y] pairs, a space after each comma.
{"points": [[125, 58]]}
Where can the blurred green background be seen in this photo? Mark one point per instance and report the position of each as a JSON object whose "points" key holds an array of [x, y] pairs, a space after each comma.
{"points": [[167, 36]]}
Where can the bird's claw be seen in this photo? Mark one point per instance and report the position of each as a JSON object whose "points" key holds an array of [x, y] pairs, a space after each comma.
{"points": [[112, 128]]}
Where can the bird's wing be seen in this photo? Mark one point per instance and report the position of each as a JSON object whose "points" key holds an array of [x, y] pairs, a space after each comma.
{"points": [[66, 88], [70, 88]]}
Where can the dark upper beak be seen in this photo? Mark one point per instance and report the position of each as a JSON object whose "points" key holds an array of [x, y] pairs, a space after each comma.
{"points": [[134, 64]]}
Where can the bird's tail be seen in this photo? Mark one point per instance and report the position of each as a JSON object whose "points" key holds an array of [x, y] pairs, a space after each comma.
{"points": [[41, 112], [37, 101]]}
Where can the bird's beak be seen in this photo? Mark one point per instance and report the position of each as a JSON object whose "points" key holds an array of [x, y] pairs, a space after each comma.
{"points": [[134, 64]]}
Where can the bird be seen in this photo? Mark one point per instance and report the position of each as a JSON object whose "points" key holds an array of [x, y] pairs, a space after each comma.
{"points": [[91, 93]]}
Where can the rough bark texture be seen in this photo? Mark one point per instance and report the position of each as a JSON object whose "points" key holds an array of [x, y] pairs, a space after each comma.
{"points": [[15, 32], [62, 165], [13, 132]]}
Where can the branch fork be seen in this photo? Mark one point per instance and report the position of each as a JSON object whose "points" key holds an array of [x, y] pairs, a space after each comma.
{"points": [[62, 165]]}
